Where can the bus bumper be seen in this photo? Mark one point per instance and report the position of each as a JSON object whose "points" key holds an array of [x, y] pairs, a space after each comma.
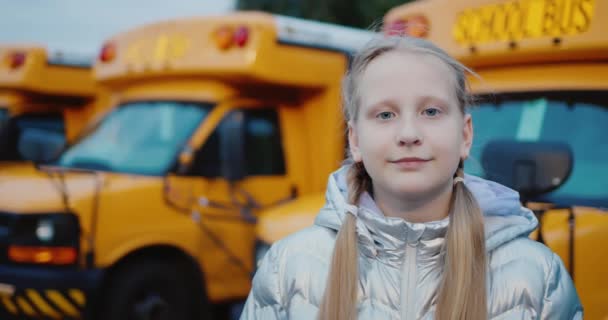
{"points": [[46, 292]]}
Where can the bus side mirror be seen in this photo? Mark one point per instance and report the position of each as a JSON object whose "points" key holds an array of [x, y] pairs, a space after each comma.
{"points": [[531, 168], [40, 146], [232, 146]]}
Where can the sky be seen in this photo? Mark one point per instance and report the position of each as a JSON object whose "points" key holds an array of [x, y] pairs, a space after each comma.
{"points": [[80, 26]]}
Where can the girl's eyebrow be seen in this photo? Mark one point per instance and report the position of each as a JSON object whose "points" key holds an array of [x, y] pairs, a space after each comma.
{"points": [[442, 102], [421, 101], [387, 103]]}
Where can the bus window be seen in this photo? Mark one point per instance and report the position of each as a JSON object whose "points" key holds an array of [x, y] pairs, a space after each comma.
{"points": [[13, 129], [576, 118], [263, 148], [3, 118], [206, 161], [138, 137]]}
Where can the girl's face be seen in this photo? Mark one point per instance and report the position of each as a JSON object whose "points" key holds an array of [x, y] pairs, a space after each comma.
{"points": [[409, 133]]}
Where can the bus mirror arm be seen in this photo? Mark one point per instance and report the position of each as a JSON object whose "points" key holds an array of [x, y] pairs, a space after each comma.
{"points": [[247, 207], [232, 147], [571, 231], [184, 160]]}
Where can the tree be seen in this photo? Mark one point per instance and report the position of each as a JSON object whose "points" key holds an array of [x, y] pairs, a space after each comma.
{"points": [[355, 13]]}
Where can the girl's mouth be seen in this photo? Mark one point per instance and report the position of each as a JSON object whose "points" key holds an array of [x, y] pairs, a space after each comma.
{"points": [[410, 163]]}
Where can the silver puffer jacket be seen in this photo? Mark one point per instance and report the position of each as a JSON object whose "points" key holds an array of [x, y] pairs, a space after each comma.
{"points": [[399, 263]]}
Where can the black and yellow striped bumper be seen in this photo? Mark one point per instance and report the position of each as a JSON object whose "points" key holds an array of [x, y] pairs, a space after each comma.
{"points": [[34, 292], [53, 304]]}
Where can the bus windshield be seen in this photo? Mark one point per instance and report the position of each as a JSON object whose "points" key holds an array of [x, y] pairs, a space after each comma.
{"points": [[576, 118], [138, 137]]}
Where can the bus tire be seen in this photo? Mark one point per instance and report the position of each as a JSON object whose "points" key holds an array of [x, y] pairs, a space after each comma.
{"points": [[152, 290]]}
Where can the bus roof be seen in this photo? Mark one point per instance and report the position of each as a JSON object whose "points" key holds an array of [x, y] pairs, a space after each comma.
{"points": [[249, 46], [31, 68], [491, 32]]}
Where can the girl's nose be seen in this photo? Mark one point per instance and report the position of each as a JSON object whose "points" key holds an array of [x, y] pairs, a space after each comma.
{"points": [[408, 134]]}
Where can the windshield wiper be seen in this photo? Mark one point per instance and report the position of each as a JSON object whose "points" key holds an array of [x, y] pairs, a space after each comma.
{"points": [[89, 165], [60, 174]]}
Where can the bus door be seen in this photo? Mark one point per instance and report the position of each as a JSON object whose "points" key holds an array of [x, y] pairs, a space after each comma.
{"points": [[238, 170]]}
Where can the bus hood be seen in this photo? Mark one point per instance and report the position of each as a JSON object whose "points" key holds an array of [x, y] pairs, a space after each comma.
{"points": [[281, 221], [27, 189]]}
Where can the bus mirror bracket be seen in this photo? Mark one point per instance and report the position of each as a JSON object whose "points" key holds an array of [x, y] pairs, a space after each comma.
{"points": [[232, 146]]}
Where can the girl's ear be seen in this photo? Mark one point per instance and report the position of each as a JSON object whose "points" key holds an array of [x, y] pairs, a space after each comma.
{"points": [[353, 142], [467, 137]]}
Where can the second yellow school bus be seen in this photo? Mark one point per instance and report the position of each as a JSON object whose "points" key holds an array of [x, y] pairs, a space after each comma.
{"points": [[543, 78], [42, 93]]}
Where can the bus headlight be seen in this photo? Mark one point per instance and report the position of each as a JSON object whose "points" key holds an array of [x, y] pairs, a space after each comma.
{"points": [[44, 239], [45, 231]]}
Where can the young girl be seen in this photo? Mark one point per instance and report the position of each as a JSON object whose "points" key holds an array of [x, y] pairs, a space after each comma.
{"points": [[404, 233]]}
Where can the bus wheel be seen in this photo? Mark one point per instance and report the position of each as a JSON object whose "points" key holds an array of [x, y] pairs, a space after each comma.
{"points": [[151, 290]]}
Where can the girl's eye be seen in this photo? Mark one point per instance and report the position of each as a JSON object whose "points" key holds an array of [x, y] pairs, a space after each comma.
{"points": [[431, 112], [385, 115]]}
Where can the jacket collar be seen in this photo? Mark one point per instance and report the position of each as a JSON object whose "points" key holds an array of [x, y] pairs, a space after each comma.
{"points": [[391, 235], [381, 236]]}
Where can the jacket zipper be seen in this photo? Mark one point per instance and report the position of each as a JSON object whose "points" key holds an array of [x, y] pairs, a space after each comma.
{"points": [[408, 283]]}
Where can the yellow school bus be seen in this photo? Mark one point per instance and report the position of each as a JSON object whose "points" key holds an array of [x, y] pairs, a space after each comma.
{"points": [[153, 211], [543, 79], [42, 95]]}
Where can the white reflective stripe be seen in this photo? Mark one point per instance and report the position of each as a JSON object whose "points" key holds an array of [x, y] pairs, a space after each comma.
{"points": [[319, 34], [531, 120], [77, 59], [408, 283]]}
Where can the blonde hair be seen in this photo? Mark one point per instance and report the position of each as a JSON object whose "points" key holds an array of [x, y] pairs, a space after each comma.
{"points": [[462, 290]]}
